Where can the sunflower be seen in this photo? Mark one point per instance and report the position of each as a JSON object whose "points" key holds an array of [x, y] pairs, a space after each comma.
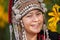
{"points": [[55, 17]]}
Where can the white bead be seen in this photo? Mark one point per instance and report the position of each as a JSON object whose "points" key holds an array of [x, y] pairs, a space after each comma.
{"points": [[18, 16], [42, 4], [40, 0], [16, 11]]}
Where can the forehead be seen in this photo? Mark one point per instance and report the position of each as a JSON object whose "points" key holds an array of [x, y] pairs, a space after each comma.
{"points": [[34, 11]]}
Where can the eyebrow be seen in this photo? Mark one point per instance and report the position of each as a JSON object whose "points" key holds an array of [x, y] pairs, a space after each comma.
{"points": [[36, 12]]}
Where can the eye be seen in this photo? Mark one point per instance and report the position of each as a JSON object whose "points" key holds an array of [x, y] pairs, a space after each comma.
{"points": [[39, 13], [29, 16]]}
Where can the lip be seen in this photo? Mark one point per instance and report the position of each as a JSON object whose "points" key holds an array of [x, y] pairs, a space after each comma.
{"points": [[35, 25]]}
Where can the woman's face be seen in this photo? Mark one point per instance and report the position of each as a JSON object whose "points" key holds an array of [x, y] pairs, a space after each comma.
{"points": [[33, 21]]}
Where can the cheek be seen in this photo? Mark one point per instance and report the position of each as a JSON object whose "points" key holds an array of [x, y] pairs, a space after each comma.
{"points": [[27, 23], [41, 18]]}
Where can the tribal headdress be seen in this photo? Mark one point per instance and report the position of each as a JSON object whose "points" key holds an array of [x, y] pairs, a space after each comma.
{"points": [[20, 9]]}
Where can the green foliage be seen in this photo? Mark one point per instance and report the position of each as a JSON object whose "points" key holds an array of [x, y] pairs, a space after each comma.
{"points": [[58, 27], [49, 5], [4, 3]]}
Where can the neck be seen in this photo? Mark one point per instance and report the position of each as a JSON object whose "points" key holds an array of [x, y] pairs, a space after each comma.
{"points": [[31, 36]]}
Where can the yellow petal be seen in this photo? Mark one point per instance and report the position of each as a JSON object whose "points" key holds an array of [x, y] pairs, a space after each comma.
{"points": [[54, 24], [56, 19], [58, 8], [51, 19], [55, 9], [52, 27], [59, 14], [51, 14]]}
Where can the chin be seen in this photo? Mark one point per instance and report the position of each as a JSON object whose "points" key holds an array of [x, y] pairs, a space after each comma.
{"points": [[36, 31]]}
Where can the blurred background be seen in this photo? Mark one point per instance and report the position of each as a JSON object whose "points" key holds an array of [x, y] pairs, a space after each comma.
{"points": [[3, 19], [52, 17]]}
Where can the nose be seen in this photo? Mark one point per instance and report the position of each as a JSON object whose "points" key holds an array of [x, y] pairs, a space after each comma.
{"points": [[35, 18]]}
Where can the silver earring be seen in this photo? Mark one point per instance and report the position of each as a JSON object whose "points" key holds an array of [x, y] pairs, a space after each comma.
{"points": [[23, 32], [22, 24], [24, 35], [46, 31]]}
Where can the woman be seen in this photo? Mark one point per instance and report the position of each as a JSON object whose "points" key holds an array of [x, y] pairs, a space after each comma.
{"points": [[28, 20]]}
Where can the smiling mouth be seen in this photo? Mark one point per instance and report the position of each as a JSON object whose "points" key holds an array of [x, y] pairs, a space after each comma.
{"points": [[35, 25]]}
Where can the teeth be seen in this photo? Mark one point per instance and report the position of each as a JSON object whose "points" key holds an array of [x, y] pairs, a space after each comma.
{"points": [[35, 25]]}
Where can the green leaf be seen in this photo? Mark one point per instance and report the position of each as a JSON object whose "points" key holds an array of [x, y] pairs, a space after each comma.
{"points": [[58, 27]]}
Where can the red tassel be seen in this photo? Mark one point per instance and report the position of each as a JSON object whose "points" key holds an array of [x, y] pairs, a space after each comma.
{"points": [[10, 10]]}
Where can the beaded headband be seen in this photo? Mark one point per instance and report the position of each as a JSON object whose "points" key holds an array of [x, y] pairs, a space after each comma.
{"points": [[20, 11]]}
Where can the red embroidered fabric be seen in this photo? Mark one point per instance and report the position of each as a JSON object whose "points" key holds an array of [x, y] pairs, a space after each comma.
{"points": [[40, 37], [9, 10]]}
